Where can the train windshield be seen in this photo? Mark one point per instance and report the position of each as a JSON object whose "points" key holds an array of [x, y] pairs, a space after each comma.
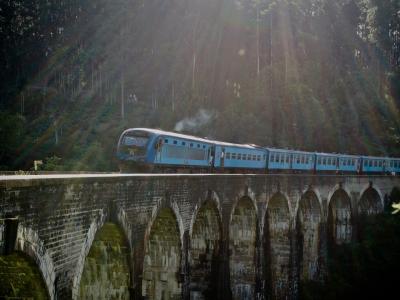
{"points": [[134, 143], [137, 141]]}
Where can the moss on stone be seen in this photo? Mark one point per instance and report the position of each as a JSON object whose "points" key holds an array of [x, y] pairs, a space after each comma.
{"points": [[106, 272], [20, 278]]}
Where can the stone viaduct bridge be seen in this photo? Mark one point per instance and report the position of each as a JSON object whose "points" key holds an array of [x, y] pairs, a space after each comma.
{"points": [[183, 236]]}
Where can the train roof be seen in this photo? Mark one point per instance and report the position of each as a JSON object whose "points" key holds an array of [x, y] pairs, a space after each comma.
{"points": [[172, 134], [191, 137], [288, 150], [376, 157]]}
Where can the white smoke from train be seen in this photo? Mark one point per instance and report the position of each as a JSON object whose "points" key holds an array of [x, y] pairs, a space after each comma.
{"points": [[202, 117]]}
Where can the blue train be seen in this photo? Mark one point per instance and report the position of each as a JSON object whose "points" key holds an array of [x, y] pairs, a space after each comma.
{"points": [[153, 150]]}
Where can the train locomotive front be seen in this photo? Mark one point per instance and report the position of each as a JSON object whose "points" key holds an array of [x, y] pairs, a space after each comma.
{"points": [[136, 150]]}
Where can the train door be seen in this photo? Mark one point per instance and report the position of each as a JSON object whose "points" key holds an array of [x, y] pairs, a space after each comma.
{"points": [[222, 157]]}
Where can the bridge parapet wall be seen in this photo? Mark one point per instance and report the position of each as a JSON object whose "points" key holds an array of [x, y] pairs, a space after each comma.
{"points": [[64, 212]]}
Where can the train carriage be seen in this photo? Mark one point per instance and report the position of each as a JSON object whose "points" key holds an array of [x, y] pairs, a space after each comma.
{"points": [[394, 166], [303, 161], [279, 159], [374, 164], [327, 162], [349, 163], [235, 156], [282, 159]]}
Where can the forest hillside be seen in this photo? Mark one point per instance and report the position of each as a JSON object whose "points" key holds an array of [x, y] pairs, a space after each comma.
{"points": [[316, 75]]}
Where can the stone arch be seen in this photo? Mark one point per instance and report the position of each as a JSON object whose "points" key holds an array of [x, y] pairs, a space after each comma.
{"points": [[162, 257], [337, 187], [96, 224], [29, 242], [106, 273], [340, 228], [317, 195], [308, 224], [277, 246], [242, 249], [210, 196], [204, 251], [371, 202]]}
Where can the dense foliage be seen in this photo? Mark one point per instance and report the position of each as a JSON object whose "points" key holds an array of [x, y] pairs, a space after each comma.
{"points": [[367, 269], [317, 75]]}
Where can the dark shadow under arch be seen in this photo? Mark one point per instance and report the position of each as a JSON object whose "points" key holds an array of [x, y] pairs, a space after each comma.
{"points": [[340, 219], [370, 202]]}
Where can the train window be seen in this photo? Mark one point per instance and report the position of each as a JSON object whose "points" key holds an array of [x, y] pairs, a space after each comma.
{"points": [[183, 143], [264, 157], [344, 162], [244, 157], [233, 155], [198, 145], [287, 158], [175, 142], [380, 163], [258, 157], [166, 141], [282, 158], [191, 145], [271, 157], [228, 155], [204, 146], [239, 156], [297, 159]]}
